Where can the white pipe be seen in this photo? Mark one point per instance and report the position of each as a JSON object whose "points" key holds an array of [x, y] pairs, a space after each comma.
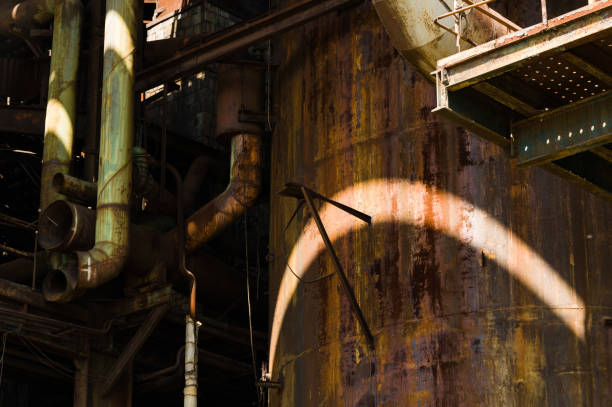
{"points": [[190, 393]]}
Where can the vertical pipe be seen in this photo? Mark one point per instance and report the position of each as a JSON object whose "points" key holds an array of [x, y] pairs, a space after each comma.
{"points": [[104, 261], [190, 392], [81, 378], [93, 90], [60, 118], [544, 12]]}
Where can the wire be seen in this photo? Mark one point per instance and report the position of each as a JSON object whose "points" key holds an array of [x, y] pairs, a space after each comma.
{"points": [[4, 336], [56, 366], [286, 259], [258, 264], [248, 287], [308, 281]]}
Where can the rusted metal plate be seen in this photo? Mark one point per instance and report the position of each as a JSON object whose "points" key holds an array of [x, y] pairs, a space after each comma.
{"points": [[564, 131], [461, 313]]}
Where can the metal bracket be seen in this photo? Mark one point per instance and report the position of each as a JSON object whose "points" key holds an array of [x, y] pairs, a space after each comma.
{"points": [[269, 384], [304, 194]]}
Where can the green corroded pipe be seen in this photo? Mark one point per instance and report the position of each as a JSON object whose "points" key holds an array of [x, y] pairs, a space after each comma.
{"points": [[60, 117], [102, 263]]}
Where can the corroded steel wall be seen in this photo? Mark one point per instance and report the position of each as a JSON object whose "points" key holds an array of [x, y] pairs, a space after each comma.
{"points": [[483, 284]]}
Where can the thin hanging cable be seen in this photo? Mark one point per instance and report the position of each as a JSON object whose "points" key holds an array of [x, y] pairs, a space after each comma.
{"points": [[258, 263], [286, 260], [4, 336], [248, 287]]}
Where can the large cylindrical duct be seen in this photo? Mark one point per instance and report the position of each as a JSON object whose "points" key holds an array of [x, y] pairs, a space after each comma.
{"points": [[60, 119], [412, 28], [483, 285], [104, 261], [240, 87]]}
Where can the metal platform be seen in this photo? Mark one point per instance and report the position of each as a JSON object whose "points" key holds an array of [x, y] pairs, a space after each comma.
{"points": [[542, 92]]}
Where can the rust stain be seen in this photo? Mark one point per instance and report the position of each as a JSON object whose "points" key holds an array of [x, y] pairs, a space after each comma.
{"points": [[452, 327]]}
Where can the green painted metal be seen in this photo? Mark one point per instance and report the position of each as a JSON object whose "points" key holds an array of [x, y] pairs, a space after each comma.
{"points": [[564, 131], [60, 120], [104, 261]]}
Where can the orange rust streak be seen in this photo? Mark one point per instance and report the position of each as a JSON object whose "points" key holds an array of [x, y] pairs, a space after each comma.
{"points": [[476, 229]]}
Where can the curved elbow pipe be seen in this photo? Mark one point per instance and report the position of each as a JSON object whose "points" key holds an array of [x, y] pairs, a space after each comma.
{"points": [[410, 25], [102, 263], [242, 191]]}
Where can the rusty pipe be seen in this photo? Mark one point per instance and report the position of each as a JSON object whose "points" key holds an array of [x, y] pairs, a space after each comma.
{"points": [[410, 26], [242, 191], [104, 261], [196, 174], [66, 226], [238, 87], [180, 235], [158, 201], [75, 188]]}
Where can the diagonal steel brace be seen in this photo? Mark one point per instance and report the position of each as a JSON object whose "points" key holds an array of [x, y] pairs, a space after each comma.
{"points": [[306, 195]]}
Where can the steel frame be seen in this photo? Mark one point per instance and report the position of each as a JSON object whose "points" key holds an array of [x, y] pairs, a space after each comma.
{"points": [[467, 95], [513, 50], [306, 195], [236, 38], [564, 131]]}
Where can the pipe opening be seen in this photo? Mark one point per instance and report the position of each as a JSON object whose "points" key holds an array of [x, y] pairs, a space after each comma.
{"points": [[60, 284], [55, 225], [58, 181], [55, 286]]}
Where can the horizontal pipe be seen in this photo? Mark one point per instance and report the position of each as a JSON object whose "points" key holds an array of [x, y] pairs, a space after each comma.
{"points": [[72, 187]]}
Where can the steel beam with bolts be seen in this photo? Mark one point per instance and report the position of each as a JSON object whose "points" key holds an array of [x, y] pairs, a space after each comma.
{"points": [[564, 131]]}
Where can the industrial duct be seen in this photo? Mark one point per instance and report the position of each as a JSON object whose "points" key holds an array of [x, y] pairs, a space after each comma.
{"points": [[411, 27], [60, 119], [240, 87], [105, 260]]}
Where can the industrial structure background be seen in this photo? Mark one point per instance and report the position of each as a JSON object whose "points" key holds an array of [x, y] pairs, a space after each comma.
{"points": [[305, 203]]}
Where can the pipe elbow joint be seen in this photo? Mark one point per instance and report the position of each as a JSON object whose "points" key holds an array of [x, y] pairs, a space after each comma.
{"points": [[81, 271]]}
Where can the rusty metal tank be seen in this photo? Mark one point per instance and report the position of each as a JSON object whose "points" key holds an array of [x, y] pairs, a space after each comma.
{"points": [[483, 284]]}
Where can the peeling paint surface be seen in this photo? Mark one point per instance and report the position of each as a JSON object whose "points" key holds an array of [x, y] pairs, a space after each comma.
{"points": [[452, 324]]}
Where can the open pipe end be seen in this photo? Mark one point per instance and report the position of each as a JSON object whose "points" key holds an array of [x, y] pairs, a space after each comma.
{"points": [[61, 284], [66, 226], [55, 225], [58, 182]]}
